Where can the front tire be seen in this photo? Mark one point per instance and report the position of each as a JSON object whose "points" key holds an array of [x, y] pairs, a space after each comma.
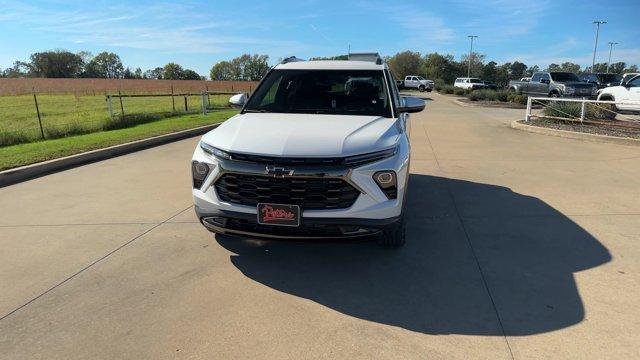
{"points": [[422, 88], [395, 236], [554, 95]]}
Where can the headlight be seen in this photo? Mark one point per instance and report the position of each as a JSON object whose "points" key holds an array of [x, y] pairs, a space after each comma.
{"points": [[387, 181], [199, 172], [214, 151], [370, 157]]}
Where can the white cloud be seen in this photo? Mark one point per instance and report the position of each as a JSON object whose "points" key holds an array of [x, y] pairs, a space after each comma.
{"points": [[503, 18], [420, 28], [167, 27]]}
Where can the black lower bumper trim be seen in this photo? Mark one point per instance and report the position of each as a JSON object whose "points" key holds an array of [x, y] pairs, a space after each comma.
{"points": [[243, 224]]}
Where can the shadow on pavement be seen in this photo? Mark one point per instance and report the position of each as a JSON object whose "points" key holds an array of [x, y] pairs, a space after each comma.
{"points": [[527, 250]]}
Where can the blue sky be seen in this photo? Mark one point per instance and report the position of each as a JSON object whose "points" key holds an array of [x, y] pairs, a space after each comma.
{"points": [[197, 34]]}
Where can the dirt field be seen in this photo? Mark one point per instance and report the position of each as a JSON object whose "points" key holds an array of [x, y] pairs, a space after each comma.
{"points": [[102, 86]]}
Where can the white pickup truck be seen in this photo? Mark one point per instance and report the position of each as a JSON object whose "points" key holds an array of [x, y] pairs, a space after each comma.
{"points": [[415, 82]]}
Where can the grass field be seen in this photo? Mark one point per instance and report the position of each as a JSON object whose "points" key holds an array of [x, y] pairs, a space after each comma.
{"points": [[66, 114], [29, 153]]}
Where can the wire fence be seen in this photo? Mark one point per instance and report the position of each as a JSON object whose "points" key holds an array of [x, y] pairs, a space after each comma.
{"points": [[38, 116]]}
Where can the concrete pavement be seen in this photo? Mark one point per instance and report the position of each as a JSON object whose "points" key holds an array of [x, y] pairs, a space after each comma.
{"points": [[519, 246]]}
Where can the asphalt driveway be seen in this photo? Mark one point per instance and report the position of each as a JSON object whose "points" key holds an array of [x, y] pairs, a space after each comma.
{"points": [[519, 246]]}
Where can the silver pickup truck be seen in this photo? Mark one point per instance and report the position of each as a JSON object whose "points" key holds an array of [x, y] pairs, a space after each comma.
{"points": [[554, 84]]}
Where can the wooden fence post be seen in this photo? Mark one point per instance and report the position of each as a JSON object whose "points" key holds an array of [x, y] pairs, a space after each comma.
{"points": [[173, 101], [186, 107], [121, 106], [35, 99], [110, 106]]}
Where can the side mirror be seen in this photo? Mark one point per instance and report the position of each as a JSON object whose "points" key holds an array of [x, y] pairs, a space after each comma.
{"points": [[238, 100], [411, 104]]}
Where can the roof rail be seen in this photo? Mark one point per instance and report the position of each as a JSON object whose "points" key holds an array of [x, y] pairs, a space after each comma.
{"points": [[290, 59]]}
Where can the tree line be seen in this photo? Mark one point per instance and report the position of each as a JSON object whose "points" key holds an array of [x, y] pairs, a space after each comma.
{"points": [[245, 67], [444, 68], [106, 65], [438, 67]]}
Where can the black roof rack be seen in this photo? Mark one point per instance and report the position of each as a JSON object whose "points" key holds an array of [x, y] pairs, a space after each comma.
{"points": [[290, 59]]}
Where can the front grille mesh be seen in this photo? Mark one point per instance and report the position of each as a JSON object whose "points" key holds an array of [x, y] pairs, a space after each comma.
{"points": [[308, 193]]}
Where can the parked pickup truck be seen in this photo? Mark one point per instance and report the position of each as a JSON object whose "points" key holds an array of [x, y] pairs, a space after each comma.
{"points": [[627, 94], [554, 84], [415, 82]]}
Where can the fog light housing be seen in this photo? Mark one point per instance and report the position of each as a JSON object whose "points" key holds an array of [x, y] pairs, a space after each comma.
{"points": [[199, 172], [387, 181]]}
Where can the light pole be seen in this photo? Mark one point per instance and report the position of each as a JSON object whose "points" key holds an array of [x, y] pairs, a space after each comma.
{"points": [[598, 23], [610, 50], [470, 54]]}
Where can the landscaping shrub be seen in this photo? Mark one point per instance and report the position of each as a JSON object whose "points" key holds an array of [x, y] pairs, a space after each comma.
{"points": [[459, 91], [447, 89], [501, 95], [518, 99], [574, 109], [478, 95], [601, 111], [488, 95]]}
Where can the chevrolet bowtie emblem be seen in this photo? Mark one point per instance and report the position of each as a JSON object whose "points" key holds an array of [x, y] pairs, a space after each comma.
{"points": [[278, 171]]}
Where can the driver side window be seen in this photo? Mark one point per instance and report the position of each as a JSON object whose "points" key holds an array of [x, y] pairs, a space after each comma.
{"points": [[635, 82]]}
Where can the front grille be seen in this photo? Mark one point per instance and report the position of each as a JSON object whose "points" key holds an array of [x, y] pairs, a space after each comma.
{"points": [[308, 193]]}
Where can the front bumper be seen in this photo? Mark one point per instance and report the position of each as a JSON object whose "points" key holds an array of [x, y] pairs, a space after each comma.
{"points": [[371, 211]]}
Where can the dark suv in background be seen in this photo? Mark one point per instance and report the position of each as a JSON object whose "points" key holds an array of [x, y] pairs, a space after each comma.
{"points": [[601, 80]]}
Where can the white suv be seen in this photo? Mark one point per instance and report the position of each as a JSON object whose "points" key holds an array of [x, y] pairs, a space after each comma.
{"points": [[319, 150], [469, 83]]}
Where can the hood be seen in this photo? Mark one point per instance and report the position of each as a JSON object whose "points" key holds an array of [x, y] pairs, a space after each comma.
{"points": [[311, 135]]}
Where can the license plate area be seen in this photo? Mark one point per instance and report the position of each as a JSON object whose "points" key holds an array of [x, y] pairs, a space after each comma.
{"points": [[278, 214]]}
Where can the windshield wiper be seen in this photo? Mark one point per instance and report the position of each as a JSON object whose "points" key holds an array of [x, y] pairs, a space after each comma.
{"points": [[255, 110]]}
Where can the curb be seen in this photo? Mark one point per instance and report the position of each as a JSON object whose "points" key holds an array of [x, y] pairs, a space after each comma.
{"points": [[28, 172], [485, 105], [516, 124]]}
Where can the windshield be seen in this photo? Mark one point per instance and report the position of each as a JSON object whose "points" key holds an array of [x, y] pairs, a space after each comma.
{"points": [[610, 78], [421, 78], [346, 92], [564, 76], [475, 81]]}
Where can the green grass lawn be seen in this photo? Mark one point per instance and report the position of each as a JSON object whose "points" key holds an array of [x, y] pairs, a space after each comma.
{"points": [[66, 114], [29, 153]]}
